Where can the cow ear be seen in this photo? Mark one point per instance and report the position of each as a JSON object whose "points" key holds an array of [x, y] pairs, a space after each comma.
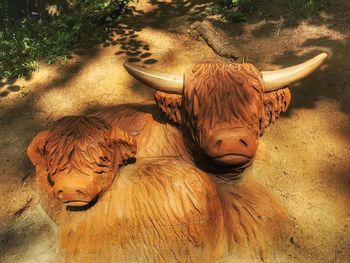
{"points": [[124, 145], [170, 105], [275, 102], [36, 149]]}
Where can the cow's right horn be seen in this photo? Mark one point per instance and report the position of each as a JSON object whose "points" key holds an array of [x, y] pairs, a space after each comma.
{"points": [[274, 80], [160, 81]]}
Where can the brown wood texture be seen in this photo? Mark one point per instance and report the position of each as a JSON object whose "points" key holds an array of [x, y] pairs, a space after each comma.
{"points": [[170, 202], [275, 103], [169, 211], [222, 112], [82, 156]]}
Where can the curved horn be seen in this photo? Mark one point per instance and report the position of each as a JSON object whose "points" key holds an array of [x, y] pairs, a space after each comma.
{"points": [[160, 81], [274, 80]]}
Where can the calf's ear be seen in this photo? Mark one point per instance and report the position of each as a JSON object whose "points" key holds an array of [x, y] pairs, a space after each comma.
{"points": [[124, 145], [36, 149]]}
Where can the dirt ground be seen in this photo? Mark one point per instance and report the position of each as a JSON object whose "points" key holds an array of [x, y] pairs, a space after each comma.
{"points": [[303, 158]]}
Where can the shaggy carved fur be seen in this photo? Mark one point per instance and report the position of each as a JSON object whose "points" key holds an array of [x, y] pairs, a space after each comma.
{"points": [[85, 142], [160, 209], [155, 136], [217, 97], [275, 103], [169, 211], [222, 93], [163, 208], [86, 147], [170, 105]]}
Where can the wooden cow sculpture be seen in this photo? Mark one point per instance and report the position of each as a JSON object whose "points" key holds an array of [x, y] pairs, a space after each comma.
{"points": [[174, 201], [221, 109]]}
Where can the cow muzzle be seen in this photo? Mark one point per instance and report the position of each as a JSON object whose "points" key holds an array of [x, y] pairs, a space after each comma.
{"points": [[75, 190], [231, 147]]}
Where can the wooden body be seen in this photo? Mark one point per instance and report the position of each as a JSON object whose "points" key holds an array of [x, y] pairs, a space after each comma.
{"points": [[162, 208], [173, 201]]}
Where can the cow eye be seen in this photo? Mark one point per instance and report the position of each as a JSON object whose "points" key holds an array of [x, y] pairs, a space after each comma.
{"points": [[99, 172], [101, 165], [49, 180], [104, 158]]}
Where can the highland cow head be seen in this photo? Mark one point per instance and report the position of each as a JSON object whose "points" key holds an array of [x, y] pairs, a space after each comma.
{"points": [[81, 157], [224, 108]]}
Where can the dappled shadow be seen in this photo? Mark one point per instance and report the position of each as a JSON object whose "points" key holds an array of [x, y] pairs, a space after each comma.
{"points": [[274, 15], [25, 241], [7, 87], [64, 74], [268, 29], [22, 120], [275, 35], [330, 82], [127, 42], [124, 36], [159, 15]]}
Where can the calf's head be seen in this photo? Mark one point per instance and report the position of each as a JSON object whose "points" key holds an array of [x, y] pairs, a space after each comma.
{"points": [[224, 108], [80, 157]]}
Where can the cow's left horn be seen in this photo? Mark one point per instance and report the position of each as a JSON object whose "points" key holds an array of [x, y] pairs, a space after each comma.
{"points": [[274, 80], [160, 81]]}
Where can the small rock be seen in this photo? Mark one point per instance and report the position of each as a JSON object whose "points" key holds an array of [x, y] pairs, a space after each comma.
{"points": [[294, 241]]}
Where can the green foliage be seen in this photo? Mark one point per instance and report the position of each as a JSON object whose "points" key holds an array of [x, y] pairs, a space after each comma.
{"points": [[238, 10], [233, 10], [305, 8], [26, 41]]}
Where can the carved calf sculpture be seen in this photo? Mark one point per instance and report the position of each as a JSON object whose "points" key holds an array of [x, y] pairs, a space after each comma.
{"points": [[172, 204], [155, 210]]}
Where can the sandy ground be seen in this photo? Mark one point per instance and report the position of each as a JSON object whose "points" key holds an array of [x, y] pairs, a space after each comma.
{"points": [[303, 158]]}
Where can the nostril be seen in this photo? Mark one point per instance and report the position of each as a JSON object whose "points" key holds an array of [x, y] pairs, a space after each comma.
{"points": [[60, 194], [81, 193], [243, 142]]}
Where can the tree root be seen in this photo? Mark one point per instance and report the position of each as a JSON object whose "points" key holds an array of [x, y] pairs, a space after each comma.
{"points": [[214, 39]]}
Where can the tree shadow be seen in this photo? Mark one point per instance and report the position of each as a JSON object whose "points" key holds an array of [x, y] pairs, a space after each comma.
{"points": [[265, 41], [326, 83], [7, 87], [330, 82], [24, 237], [21, 119], [124, 34]]}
